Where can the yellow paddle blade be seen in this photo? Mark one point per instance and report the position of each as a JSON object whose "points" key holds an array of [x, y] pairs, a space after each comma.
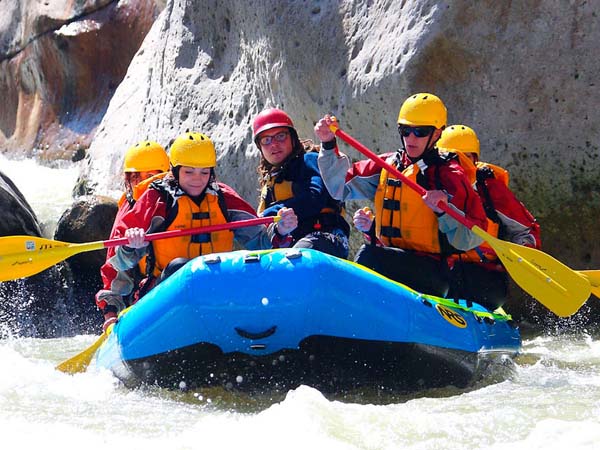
{"points": [[593, 276], [23, 256], [80, 362], [559, 288]]}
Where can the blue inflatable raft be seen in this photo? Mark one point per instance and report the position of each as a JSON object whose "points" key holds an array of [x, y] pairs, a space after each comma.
{"points": [[281, 318]]}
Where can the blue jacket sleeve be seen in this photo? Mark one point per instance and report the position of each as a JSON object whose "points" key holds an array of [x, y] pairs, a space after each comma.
{"points": [[310, 193]]}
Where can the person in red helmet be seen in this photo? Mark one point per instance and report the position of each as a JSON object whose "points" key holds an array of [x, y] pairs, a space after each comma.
{"points": [[289, 177]]}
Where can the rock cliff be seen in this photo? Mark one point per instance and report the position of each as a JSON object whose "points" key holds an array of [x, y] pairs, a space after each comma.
{"points": [[522, 74]]}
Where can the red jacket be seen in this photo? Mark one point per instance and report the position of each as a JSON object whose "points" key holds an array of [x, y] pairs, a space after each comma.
{"points": [[517, 224], [118, 284]]}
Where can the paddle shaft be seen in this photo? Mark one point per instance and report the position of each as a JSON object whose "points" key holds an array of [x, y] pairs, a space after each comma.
{"points": [[391, 169], [198, 230], [25, 256]]}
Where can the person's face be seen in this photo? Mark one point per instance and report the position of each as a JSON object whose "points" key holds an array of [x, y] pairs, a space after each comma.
{"points": [[193, 180], [135, 178], [416, 139], [276, 145]]}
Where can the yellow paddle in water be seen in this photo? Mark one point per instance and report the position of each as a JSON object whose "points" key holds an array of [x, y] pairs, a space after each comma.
{"points": [[81, 361], [24, 256], [556, 286]]}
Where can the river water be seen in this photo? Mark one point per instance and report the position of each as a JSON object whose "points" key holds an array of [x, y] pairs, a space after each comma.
{"points": [[551, 401]]}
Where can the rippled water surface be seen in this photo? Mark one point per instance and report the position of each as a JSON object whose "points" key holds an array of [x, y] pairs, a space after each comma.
{"points": [[551, 402]]}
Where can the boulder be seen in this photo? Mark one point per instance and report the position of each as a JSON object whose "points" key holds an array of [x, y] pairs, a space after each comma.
{"points": [[89, 219], [35, 306], [17, 216]]}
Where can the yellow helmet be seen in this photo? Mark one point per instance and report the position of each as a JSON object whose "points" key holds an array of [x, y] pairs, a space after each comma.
{"points": [[193, 150], [459, 138], [146, 156], [423, 110]]}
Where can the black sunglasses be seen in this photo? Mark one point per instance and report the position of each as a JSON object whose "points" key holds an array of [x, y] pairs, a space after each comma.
{"points": [[419, 132]]}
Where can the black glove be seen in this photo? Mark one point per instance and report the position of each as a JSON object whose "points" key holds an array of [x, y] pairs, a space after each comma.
{"points": [[484, 173]]}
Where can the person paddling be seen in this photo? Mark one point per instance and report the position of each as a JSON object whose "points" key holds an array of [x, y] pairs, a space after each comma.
{"points": [[417, 237], [190, 196], [478, 275], [289, 177], [142, 161]]}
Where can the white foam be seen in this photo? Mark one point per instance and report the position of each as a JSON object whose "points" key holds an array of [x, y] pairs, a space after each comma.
{"points": [[47, 190]]}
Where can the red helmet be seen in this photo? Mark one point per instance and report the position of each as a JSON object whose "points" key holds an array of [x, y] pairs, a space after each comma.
{"points": [[270, 118]]}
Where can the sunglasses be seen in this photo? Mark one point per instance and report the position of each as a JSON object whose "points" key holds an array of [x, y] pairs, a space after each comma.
{"points": [[419, 132], [279, 137]]}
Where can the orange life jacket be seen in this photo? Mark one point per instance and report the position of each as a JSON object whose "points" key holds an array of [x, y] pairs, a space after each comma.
{"points": [[191, 215], [404, 220]]}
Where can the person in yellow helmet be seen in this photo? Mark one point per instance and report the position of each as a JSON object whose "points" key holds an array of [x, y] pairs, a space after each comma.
{"points": [[416, 237], [190, 196], [478, 275], [142, 161]]}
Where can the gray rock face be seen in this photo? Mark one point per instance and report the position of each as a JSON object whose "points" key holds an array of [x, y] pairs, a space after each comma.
{"points": [[22, 21], [520, 75]]}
